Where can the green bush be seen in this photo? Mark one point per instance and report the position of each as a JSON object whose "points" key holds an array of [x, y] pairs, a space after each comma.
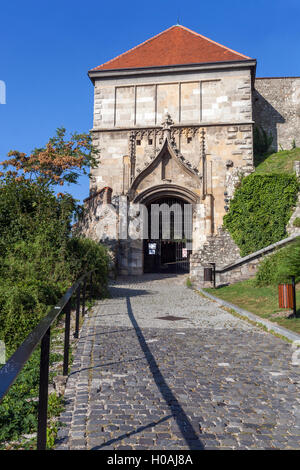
{"points": [[39, 259], [86, 255], [260, 210], [280, 266], [18, 410]]}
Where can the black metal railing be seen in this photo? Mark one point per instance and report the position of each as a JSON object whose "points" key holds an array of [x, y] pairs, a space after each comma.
{"points": [[41, 334]]}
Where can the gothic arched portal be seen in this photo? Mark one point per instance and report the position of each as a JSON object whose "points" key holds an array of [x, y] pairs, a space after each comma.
{"points": [[170, 227]]}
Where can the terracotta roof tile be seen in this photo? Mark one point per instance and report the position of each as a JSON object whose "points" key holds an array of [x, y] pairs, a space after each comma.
{"points": [[174, 46]]}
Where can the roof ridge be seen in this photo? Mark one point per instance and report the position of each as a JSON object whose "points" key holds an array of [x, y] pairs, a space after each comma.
{"points": [[212, 41], [136, 47]]}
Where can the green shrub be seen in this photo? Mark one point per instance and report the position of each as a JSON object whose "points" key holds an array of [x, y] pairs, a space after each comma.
{"points": [[86, 255], [280, 266], [260, 210], [18, 410], [39, 259]]}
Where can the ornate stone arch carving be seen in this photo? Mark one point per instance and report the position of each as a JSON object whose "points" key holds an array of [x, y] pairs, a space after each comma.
{"points": [[155, 171], [165, 190]]}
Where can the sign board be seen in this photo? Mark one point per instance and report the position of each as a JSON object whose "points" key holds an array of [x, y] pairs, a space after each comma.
{"points": [[152, 248]]}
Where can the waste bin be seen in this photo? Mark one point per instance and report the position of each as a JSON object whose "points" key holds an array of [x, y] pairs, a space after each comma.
{"points": [[285, 296]]}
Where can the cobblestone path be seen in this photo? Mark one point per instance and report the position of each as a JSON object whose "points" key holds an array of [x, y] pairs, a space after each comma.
{"points": [[205, 380]]}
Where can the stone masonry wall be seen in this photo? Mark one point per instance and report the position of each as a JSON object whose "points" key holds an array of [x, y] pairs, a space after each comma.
{"points": [[246, 268], [211, 113], [239, 269], [193, 99], [220, 102], [219, 249], [189, 98], [276, 108], [100, 222]]}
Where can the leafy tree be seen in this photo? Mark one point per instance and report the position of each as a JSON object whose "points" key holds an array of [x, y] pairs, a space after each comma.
{"points": [[39, 258], [60, 161]]}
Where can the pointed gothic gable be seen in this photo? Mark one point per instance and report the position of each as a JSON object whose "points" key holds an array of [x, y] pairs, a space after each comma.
{"points": [[166, 167], [176, 45]]}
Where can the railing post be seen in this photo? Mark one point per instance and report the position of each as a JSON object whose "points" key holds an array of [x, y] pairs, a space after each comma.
{"points": [[67, 338], [83, 296], [43, 392], [76, 334]]}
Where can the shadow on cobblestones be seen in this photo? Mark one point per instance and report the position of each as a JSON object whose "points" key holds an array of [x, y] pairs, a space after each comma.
{"points": [[148, 277], [107, 364], [119, 292], [177, 411], [108, 332], [129, 434]]}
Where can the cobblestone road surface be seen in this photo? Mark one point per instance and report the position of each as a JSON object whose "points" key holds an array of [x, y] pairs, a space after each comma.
{"points": [[205, 380]]}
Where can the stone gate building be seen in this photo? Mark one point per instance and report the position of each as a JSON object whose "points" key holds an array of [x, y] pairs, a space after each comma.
{"points": [[173, 122]]}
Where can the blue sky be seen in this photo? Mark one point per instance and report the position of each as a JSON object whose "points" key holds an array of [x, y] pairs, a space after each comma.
{"points": [[46, 49]]}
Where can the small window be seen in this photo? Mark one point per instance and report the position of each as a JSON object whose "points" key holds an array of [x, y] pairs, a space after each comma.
{"points": [[150, 141], [189, 139], [138, 142]]}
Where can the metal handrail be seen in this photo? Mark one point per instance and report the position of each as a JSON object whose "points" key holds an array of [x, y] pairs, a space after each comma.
{"points": [[41, 334]]}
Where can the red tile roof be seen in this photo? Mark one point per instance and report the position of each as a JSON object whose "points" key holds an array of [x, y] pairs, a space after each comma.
{"points": [[174, 46]]}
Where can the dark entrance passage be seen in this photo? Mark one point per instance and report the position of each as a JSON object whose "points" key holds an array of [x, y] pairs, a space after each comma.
{"points": [[168, 248]]}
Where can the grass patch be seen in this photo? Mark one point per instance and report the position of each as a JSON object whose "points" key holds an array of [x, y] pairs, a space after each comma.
{"points": [[263, 301], [280, 162]]}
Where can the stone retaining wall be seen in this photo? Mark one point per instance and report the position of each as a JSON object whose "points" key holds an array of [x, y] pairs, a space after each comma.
{"points": [[242, 268], [219, 249]]}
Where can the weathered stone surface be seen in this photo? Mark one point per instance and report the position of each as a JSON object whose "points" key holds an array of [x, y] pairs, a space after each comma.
{"points": [[276, 105], [230, 267], [60, 384], [209, 114]]}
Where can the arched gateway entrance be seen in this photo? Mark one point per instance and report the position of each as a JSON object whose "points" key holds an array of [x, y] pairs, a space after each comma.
{"points": [[168, 187], [169, 244]]}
